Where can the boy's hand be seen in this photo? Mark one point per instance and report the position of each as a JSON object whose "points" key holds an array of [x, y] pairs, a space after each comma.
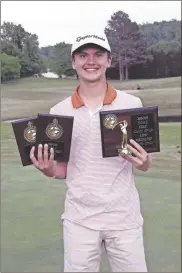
{"points": [[141, 160], [43, 163]]}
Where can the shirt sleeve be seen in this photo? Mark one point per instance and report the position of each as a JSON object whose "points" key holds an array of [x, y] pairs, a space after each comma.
{"points": [[139, 103], [51, 111]]}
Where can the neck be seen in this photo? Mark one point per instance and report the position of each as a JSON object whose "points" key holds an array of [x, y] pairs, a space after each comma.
{"points": [[93, 93]]}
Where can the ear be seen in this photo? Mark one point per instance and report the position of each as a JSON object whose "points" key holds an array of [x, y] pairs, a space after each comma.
{"points": [[109, 61], [73, 64]]}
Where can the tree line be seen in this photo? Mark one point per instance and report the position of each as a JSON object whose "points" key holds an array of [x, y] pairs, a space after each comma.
{"points": [[149, 50]]}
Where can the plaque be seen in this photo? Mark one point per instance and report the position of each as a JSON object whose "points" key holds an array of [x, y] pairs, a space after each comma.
{"points": [[25, 134], [119, 126], [56, 131]]}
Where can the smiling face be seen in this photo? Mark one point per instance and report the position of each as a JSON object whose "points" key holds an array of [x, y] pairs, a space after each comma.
{"points": [[91, 63]]}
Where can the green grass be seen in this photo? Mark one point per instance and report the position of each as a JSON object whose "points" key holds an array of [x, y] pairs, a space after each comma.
{"points": [[39, 83], [27, 97], [31, 205]]}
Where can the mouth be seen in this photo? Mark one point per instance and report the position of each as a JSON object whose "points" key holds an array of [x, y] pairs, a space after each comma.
{"points": [[91, 69]]}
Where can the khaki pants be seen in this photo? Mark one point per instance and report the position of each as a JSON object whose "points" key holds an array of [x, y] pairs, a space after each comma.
{"points": [[83, 247]]}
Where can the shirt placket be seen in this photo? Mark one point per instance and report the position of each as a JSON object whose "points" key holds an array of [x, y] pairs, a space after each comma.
{"points": [[94, 128]]}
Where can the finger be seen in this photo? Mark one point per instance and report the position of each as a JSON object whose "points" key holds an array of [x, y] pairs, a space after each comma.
{"points": [[134, 160], [32, 157], [40, 159], [45, 153], [137, 146], [135, 152], [51, 158]]}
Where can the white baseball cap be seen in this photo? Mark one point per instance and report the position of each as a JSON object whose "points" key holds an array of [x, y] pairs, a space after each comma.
{"points": [[97, 39]]}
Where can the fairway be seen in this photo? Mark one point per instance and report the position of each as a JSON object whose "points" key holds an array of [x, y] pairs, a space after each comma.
{"points": [[27, 97], [32, 205]]}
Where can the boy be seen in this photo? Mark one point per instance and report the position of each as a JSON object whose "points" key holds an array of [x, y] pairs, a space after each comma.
{"points": [[102, 206]]}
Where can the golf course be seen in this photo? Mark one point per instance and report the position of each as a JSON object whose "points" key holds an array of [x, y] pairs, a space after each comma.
{"points": [[32, 204]]}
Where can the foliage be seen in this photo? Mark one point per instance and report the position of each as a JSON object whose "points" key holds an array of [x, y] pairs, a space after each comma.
{"points": [[162, 31], [150, 50], [62, 59], [24, 45], [163, 41], [10, 67], [127, 43], [59, 59]]}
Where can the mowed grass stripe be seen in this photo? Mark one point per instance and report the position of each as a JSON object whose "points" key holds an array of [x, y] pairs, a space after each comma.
{"points": [[27, 97], [31, 206]]}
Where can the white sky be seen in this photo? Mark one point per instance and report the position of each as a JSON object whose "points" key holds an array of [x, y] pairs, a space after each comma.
{"points": [[58, 21]]}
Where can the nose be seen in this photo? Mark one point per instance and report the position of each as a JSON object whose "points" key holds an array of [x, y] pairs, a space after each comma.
{"points": [[91, 60]]}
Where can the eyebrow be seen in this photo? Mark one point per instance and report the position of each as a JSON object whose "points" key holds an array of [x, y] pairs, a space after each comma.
{"points": [[83, 52]]}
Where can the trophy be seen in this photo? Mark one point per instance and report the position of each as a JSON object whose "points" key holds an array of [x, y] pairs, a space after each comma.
{"points": [[25, 131], [123, 151], [56, 131], [139, 124]]}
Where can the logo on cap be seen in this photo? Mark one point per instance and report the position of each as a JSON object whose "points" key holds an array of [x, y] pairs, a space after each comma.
{"points": [[78, 39]]}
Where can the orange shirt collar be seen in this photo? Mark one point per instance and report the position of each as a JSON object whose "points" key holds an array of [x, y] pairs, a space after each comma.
{"points": [[109, 97]]}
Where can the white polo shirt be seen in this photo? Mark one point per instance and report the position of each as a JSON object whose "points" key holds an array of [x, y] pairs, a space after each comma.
{"points": [[101, 192]]}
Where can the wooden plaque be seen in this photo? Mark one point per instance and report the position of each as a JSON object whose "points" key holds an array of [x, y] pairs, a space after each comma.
{"points": [[142, 126]]}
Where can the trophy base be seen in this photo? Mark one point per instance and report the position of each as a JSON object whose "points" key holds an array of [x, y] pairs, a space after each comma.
{"points": [[124, 152]]}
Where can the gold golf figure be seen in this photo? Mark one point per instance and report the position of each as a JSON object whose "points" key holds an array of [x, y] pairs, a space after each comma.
{"points": [[123, 151]]}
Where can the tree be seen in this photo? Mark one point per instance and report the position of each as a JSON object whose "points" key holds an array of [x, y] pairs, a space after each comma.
{"points": [[62, 59], [9, 48], [166, 46], [18, 42], [162, 31], [31, 60], [127, 43], [14, 34], [10, 67], [164, 54], [47, 51]]}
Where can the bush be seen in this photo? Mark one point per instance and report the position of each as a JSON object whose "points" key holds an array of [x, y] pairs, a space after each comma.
{"points": [[10, 67]]}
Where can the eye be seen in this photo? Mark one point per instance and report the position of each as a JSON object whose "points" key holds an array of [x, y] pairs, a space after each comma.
{"points": [[82, 55], [99, 54]]}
